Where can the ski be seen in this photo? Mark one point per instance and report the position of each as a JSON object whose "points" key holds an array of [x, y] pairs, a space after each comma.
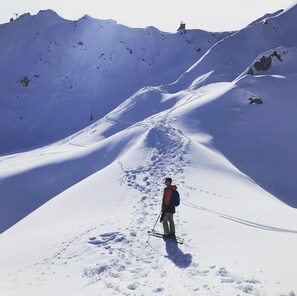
{"points": [[160, 235]]}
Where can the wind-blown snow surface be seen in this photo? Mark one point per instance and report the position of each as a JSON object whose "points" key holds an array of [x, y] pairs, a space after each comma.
{"points": [[98, 191]]}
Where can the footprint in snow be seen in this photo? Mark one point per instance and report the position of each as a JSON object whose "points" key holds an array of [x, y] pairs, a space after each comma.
{"points": [[107, 237]]}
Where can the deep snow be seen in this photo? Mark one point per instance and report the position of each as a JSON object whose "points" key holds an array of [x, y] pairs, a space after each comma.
{"points": [[75, 213]]}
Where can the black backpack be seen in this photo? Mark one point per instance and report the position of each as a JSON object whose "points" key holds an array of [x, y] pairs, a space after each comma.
{"points": [[175, 199]]}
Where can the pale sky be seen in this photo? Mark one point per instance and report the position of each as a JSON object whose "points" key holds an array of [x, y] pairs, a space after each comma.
{"points": [[166, 15]]}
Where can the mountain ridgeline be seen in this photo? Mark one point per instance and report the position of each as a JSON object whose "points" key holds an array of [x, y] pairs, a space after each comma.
{"points": [[64, 74]]}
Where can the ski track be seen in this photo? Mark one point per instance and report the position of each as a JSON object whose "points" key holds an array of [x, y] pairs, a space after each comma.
{"points": [[241, 221], [129, 262]]}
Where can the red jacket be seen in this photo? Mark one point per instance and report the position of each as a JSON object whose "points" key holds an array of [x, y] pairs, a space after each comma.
{"points": [[166, 207]]}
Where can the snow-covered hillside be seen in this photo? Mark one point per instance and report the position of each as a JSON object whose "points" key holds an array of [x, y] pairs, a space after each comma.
{"points": [[220, 121], [62, 73], [228, 59]]}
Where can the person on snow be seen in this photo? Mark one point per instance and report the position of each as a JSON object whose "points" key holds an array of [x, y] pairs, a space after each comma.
{"points": [[168, 210]]}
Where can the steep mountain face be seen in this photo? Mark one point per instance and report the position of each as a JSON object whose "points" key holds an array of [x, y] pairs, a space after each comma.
{"points": [[57, 75], [230, 57]]}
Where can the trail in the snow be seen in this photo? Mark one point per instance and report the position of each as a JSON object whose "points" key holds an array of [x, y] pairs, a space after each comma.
{"points": [[132, 264], [116, 255]]}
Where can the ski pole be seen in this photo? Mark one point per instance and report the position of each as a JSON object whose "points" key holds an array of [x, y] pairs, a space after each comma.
{"points": [[156, 221]]}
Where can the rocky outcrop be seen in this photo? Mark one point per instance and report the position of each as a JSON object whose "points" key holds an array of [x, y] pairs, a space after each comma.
{"points": [[25, 81], [257, 101]]}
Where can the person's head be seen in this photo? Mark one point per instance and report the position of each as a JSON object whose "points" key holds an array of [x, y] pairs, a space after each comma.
{"points": [[168, 181]]}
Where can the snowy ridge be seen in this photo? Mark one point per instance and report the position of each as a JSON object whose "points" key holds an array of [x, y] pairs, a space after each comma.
{"points": [[116, 261], [228, 58], [80, 207]]}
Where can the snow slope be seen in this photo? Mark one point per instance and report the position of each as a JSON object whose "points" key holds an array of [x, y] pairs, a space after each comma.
{"points": [[87, 201], [93, 236], [228, 58], [260, 140], [79, 70]]}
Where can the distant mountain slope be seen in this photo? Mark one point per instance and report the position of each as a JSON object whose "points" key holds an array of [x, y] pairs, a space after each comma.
{"points": [[57, 74], [228, 58]]}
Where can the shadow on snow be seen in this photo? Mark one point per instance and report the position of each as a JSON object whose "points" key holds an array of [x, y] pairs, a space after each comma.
{"points": [[176, 255]]}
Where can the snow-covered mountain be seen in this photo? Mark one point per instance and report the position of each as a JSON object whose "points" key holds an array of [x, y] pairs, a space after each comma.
{"points": [[55, 71], [100, 114]]}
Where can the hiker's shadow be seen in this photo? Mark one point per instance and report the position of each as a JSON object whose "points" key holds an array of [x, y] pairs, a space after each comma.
{"points": [[176, 255]]}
